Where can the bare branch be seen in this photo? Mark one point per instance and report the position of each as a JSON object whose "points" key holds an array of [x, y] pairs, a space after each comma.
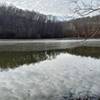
{"points": [[83, 9]]}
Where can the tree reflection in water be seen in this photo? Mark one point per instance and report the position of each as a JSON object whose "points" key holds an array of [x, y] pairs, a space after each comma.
{"points": [[15, 59]]}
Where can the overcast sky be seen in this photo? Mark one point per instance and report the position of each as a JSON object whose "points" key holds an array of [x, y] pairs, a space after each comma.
{"points": [[55, 7]]}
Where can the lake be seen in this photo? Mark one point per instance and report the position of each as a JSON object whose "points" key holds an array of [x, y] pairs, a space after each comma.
{"points": [[49, 69]]}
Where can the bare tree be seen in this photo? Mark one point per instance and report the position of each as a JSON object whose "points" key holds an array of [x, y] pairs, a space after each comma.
{"points": [[84, 8]]}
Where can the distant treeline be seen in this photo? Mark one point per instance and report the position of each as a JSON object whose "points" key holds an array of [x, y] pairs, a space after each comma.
{"points": [[18, 23], [23, 24], [87, 27]]}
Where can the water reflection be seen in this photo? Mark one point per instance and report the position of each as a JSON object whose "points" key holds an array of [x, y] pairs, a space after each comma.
{"points": [[85, 51], [15, 59], [62, 78]]}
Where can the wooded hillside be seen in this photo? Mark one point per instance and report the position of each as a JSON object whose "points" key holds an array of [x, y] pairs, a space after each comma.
{"points": [[17, 23], [23, 24]]}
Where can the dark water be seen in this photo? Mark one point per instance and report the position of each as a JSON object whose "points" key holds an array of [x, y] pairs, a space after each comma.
{"points": [[13, 59]]}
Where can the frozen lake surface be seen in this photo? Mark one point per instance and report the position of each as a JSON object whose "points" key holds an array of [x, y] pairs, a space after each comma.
{"points": [[42, 45]]}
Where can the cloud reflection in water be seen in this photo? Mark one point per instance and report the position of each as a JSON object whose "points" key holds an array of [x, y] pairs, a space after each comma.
{"points": [[64, 76]]}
